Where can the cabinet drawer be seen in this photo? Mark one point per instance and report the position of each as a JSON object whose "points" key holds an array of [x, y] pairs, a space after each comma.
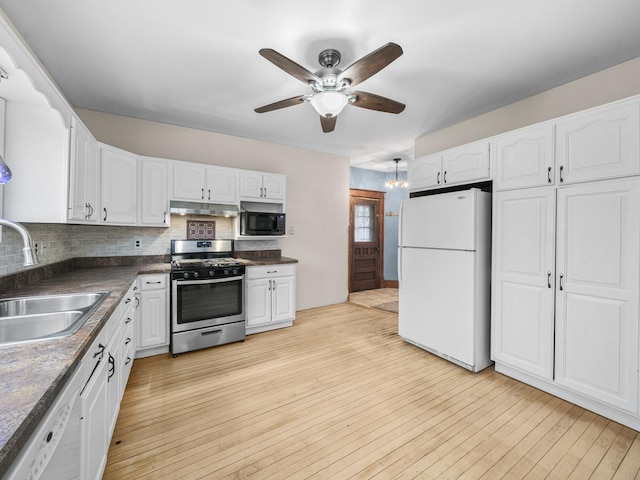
{"points": [[153, 282], [270, 271]]}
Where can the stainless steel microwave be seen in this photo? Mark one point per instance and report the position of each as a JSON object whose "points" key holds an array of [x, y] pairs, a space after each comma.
{"points": [[261, 223]]}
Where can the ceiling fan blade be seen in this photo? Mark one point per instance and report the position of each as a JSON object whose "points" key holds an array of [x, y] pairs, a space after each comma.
{"points": [[376, 102], [289, 102], [371, 64], [328, 123], [289, 66]]}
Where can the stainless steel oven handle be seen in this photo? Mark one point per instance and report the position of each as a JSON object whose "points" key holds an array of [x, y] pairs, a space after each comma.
{"points": [[212, 332], [179, 282]]}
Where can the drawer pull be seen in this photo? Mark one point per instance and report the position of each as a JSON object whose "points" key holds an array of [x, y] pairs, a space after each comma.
{"points": [[212, 332], [127, 341], [154, 283]]}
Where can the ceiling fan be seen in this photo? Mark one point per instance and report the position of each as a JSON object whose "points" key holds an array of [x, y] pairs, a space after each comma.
{"points": [[331, 86]]}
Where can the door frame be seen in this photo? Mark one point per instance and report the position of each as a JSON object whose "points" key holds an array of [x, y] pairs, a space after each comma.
{"points": [[369, 195]]}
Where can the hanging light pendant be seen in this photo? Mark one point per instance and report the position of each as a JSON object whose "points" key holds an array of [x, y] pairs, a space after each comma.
{"points": [[5, 172], [396, 183]]}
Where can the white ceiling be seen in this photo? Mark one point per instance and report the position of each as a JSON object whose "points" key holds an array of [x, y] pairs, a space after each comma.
{"points": [[195, 63]]}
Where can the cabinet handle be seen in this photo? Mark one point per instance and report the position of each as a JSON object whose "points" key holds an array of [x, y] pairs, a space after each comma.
{"points": [[128, 300], [137, 305], [561, 277], [128, 320], [90, 210], [127, 361], [548, 279], [86, 217], [203, 194], [549, 174], [154, 283], [438, 178], [209, 194], [444, 177], [561, 169], [105, 213], [112, 367], [101, 348], [127, 341], [272, 271], [164, 218]]}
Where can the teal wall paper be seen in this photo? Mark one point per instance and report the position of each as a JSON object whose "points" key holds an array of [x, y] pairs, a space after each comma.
{"points": [[372, 180]]}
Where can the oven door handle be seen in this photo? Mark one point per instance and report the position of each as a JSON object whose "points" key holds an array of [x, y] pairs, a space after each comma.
{"points": [[207, 280]]}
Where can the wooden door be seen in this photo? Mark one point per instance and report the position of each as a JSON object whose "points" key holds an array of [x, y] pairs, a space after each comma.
{"points": [[365, 240], [597, 290]]}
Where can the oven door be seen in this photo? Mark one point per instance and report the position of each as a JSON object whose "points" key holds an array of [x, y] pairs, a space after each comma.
{"points": [[206, 303]]}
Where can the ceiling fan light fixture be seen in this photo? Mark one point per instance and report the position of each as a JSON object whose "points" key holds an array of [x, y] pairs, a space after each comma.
{"points": [[329, 103]]}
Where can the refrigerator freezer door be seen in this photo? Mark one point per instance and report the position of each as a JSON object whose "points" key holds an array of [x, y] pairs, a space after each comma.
{"points": [[446, 220], [437, 300]]}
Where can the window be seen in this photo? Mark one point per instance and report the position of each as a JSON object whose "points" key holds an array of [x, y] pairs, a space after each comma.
{"points": [[365, 223]]}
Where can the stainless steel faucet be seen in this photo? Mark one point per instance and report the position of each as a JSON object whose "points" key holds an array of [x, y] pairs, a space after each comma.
{"points": [[28, 251]]}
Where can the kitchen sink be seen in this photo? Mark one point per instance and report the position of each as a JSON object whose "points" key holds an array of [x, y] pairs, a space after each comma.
{"points": [[29, 319]]}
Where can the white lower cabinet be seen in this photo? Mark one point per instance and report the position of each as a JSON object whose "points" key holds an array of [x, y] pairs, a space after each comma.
{"points": [[587, 296], [523, 278], [270, 297], [153, 317]]}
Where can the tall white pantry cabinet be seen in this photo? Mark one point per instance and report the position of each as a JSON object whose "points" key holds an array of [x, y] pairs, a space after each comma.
{"points": [[566, 258]]}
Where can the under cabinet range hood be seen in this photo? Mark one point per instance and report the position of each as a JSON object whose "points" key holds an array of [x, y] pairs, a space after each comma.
{"points": [[197, 208]]}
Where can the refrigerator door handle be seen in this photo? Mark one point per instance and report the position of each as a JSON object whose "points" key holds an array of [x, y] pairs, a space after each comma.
{"points": [[399, 266], [400, 224]]}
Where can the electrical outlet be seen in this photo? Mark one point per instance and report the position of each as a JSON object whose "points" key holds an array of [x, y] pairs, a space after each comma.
{"points": [[292, 231], [137, 243]]}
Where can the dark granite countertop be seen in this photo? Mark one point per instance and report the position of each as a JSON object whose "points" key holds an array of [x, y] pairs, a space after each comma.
{"points": [[33, 374], [265, 261]]}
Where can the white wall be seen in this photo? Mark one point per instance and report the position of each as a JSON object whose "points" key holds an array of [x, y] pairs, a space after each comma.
{"points": [[605, 86], [317, 191]]}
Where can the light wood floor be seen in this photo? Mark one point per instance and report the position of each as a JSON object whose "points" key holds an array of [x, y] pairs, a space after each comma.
{"points": [[339, 395]]}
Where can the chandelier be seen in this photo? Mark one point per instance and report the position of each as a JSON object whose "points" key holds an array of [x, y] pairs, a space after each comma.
{"points": [[395, 183]]}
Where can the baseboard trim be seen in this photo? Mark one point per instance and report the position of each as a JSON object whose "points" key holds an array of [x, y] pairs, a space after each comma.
{"points": [[390, 284]]}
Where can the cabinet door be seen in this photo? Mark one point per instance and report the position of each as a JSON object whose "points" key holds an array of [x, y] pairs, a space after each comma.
{"points": [[153, 327], [425, 172], [250, 184], [154, 193], [94, 443], [283, 301], [598, 144], [258, 302], [597, 290], [84, 175], [114, 363], [274, 186], [525, 158], [188, 182], [221, 186], [465, 164], [119, 188], [523, 279]]}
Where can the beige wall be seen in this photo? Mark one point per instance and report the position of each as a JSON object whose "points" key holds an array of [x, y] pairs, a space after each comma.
{"points": [[317, 191], [608, 85]]}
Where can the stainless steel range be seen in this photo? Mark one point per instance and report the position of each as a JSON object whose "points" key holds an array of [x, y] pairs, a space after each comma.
{"points": [[207, 298]]}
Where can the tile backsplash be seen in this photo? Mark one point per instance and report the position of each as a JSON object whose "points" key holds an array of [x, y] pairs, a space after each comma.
{"points": [[58, 242]]}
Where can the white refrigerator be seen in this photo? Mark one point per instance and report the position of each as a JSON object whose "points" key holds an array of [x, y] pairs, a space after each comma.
{"points": [[444, 263]]}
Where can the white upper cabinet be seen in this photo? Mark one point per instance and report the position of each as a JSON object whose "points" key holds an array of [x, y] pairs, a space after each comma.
{"points": [[524, 158], [599, 143], [523, 279], [466, 163], [262, 186], [198, 183], [154, 192], [597, 289], [425, 172], [119, 187], [84, 175]]}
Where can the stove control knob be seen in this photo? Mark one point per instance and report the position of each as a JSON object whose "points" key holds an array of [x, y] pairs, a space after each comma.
{"points": [[235, 271], [196, 274], [226, 271], [211, 273], [185, 275]]}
